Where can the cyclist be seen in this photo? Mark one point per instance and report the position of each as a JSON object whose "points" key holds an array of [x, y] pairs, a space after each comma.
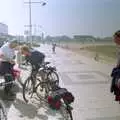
{"points": [[7, 55]]}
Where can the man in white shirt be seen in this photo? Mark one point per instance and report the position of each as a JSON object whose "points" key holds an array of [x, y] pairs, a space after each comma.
{"points": [[7, 55]]}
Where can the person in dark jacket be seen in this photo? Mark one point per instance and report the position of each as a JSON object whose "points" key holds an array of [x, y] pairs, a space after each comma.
{"points": [[34, 57], [115, 84]]}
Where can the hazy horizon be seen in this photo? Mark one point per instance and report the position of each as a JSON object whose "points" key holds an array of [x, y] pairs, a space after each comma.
{"points": [[63, 17]]}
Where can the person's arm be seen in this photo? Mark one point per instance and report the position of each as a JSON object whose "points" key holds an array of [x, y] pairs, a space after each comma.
{"points": [[6, 58], [7, 54], [118, 60]]}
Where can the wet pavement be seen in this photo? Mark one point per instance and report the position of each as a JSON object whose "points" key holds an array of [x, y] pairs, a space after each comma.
{"points": [[87, 79]]}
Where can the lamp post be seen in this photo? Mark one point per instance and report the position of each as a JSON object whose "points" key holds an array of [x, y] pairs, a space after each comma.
{"points": [[30, 16]]}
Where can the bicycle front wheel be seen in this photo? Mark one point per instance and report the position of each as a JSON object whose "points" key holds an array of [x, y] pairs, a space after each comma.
{"points": [[27, 89], [3, 112]]}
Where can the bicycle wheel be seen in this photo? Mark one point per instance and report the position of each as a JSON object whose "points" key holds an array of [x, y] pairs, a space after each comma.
{"points": [[42, 90], [27, 89], [66, 112], [53, 79], [3, 112]]}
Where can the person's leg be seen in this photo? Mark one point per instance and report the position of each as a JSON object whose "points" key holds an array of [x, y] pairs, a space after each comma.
{"points": [[8, 76], [8, 87]]}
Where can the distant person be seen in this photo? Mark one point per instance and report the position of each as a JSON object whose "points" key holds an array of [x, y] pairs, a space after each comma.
{"points": [[53, 47]]}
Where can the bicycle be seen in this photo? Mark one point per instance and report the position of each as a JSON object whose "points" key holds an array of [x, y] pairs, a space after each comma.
{"points": [[48, 73], [43, 78], [3, 112], [47, 86]]}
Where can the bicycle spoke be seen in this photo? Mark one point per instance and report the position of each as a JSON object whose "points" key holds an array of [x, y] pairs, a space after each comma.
{"points": [[41, 90]]}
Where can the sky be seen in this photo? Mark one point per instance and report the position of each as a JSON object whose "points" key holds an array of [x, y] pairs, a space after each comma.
{"points": [[99, 18]]}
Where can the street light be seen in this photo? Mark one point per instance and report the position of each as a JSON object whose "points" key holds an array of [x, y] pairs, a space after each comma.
{"points": [[30, 21]]}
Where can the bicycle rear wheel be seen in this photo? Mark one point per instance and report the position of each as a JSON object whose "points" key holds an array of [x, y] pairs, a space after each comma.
{"points": [[3, 112], [53, 78], [42, 90]]}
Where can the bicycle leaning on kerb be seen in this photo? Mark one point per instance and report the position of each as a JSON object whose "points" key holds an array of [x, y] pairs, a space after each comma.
{"points": [[45, 84]]}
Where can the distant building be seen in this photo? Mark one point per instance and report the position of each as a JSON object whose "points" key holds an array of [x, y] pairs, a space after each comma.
{"points": [[83, 38], [57, 38], [62, 38], [20, 38], [3, 29], [3, 33], [108, 39]]}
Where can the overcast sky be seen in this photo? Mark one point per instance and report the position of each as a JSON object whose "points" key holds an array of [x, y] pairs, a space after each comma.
{"points": [[63, 17]]}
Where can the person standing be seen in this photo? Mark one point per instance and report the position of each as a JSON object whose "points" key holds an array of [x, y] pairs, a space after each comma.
{"points": [[53, 47], [7, 61]]}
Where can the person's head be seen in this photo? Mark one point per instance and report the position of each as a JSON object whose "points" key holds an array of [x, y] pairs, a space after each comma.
{"points": [[25, 50], [117, 37], [13, 44]]}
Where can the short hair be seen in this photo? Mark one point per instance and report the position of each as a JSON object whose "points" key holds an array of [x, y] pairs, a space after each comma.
{"points": [[117, 33], [25, 48]]}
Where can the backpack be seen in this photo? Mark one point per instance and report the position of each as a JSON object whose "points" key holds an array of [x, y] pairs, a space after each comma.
{"points": [[68, 97], [54, 102]]}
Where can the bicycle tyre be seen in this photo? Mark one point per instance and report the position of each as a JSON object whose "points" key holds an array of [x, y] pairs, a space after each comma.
{"points": [[44, 86], [3, 112], [53, 82], [25, 87]]}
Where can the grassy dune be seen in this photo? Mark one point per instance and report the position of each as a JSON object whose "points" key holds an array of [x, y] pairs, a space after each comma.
{"points": [[106, 50]]}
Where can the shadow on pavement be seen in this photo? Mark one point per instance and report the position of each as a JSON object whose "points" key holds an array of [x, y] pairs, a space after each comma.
{"points": [[28, 110], [48, 111], [5, 98]]}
